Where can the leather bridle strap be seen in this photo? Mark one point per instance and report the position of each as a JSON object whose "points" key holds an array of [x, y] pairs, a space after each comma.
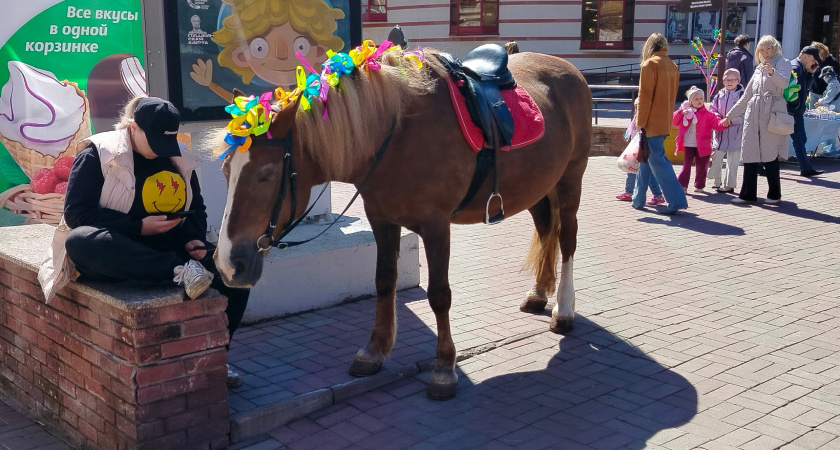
{"points": [[266, 239]]}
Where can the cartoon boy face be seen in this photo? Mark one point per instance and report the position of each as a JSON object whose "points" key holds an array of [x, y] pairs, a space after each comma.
{"points": [[272, 55]]}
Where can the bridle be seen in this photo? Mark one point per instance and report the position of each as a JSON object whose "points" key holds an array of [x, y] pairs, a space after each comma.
{"points": [[267, 240]]}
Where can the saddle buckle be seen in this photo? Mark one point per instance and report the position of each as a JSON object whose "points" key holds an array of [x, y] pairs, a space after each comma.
{"points": [[498, 217]]}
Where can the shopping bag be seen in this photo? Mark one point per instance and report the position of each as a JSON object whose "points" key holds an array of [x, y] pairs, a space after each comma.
{"points": [[629, 159]]}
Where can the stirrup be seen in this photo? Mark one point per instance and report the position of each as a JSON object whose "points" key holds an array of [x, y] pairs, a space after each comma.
{"points": [[498, 217]]}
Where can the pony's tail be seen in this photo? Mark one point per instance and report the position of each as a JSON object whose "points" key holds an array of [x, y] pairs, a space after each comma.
{"points": [[542, 257]]}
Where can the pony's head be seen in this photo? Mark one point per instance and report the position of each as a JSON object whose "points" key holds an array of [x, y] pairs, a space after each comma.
{"points": [[335, 146], [254, 180]]}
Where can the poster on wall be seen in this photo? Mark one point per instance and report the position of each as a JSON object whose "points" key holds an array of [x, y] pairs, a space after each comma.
{"points": [[735, 24], [704, 25], [66, 69], [216, 46], [677, 26]]}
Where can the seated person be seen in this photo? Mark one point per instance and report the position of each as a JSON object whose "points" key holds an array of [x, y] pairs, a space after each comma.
{"points": [[124, 194]]}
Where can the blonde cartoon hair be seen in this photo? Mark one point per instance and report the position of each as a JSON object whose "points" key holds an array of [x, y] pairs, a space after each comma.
{"points": [[252, 18], [767, 41]]}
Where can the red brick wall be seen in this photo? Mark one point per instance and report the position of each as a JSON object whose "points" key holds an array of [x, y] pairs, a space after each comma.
{"points": [[607, 141], [110, 377]]}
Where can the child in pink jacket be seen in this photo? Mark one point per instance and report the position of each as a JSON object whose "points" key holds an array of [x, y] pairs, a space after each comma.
{"points": [[695, 137]]}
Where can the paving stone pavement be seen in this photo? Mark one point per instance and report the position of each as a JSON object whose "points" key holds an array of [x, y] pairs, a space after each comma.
{"points": [[717, 328], [714, 329]]}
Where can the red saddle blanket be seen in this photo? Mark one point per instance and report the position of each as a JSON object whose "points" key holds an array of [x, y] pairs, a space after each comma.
{"points": [[528, 121]]}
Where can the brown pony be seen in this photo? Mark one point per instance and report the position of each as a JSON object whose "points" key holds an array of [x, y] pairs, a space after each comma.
{"points": [[421, 178]]}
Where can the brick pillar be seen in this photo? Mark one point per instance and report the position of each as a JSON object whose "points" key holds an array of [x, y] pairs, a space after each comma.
{"points": [[133, 369]]}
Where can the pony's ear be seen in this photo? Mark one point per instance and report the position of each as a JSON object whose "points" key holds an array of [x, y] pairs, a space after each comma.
{"points": [[284, 119], [237, 93]]}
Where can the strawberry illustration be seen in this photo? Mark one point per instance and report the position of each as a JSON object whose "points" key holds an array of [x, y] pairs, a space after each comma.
{"points": [[62, 167], [44, 181]]}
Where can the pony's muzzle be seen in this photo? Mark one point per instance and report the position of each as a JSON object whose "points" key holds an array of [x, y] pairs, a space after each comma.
{"points": [[247, 264]]}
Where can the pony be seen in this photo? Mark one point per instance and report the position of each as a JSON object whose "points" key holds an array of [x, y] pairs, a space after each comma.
{"points": [[393, 133]]}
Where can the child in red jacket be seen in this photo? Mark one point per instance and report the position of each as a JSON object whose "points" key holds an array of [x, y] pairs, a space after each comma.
{"points": [[695, 137]]}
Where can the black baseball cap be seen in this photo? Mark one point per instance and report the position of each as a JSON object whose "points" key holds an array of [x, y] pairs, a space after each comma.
{"points": [[813, 51], [160, 120]]}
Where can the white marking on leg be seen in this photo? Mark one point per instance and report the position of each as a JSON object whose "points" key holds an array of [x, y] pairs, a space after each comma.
{"points": [[565, 306], [238, 161]]}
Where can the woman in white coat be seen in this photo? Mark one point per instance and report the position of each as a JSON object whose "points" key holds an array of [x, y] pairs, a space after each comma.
{"points": [[762, 97]]}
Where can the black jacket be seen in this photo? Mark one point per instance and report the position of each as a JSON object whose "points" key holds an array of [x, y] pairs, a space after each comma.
{"points": [[740, 59], [84, 188], [819, 84], [805, 79]]}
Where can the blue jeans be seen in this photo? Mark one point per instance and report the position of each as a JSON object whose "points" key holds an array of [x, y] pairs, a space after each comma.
{"points": [[630, 184], [661, 168], [799, 137]]}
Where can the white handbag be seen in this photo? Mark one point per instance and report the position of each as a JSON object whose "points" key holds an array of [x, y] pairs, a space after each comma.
{"points": [[781, 123]]}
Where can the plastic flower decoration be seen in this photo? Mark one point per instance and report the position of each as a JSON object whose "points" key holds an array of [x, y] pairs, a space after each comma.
{"points": [[252, 115]]}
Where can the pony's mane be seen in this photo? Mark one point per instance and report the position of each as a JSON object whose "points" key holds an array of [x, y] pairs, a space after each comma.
{"points": [[360, 111]]}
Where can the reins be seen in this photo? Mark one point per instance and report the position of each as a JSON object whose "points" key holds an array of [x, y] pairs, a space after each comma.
{"points": [[266, 241]]}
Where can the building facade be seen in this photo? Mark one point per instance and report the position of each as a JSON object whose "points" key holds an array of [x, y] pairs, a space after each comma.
{"points": [[596, 33]]}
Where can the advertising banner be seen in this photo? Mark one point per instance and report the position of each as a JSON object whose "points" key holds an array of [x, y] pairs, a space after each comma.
{"points": [[66, 69], [216, 46]]}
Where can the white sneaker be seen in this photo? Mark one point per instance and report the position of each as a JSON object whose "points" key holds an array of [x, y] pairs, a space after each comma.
{"points": [[194, 277], [699, 191], [233, 379]]}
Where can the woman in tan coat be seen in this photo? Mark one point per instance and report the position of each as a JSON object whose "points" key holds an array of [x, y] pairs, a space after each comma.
{"points": [[658, 81], [763, 97]]}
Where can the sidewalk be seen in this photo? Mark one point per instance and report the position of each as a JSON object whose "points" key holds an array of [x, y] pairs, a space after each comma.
{"points": [[717, 328]]}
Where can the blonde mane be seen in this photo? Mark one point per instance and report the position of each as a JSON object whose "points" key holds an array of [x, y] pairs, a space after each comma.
{"points": [[360, 112]]}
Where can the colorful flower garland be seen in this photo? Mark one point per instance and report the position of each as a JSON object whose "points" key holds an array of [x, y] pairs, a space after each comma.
{"points": [[252, 115]]}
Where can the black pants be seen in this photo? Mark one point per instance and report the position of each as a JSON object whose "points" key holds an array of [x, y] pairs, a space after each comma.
{"points": [[103, 255], [749, 187]]}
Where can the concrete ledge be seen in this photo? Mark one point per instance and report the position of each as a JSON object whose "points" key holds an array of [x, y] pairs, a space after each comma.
{"points": [[337, 266]]}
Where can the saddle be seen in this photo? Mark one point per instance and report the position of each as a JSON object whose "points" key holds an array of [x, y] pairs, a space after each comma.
{"points": [[481, 76]]}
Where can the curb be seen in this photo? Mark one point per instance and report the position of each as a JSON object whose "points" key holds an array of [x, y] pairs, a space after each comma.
{"points": [[255, 423]]}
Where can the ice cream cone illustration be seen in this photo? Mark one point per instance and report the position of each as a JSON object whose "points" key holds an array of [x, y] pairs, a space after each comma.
{"points": [[41, 118]]}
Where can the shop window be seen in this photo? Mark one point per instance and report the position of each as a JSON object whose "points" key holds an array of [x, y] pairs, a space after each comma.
{"points": [[473, 17], [607, 24], [374, 10]]}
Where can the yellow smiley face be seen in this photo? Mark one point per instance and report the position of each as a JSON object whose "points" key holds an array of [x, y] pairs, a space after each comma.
{"points": [[164, 192]]}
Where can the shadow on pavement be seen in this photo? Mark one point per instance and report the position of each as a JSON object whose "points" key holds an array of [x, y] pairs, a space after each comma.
{"points": [[791, 209], [596, 391], [693, 222]]}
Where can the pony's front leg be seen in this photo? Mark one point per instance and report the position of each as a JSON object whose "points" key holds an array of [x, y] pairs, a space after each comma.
{"points": [[370, 358], [436, 241]]}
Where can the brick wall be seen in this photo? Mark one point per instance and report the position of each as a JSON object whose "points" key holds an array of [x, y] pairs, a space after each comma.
{"points": [[114, 375], [607, 141]]}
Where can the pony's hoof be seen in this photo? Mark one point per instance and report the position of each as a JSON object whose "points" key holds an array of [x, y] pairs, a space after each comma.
{"points": [[442, 385], [561, 325], [365, 365], [534, 302], [440, 393]]}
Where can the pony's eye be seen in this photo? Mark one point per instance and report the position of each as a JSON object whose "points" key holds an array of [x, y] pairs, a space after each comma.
{"points": [[265, 174], [259, 48], [302, 45]]}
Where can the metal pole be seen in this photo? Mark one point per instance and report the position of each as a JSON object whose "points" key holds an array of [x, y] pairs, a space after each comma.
{"points": [[721, 67]]}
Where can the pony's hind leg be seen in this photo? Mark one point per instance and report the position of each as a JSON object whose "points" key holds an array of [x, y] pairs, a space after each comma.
{"points": [[569, 189], [436, 241], [370, 358], [543, 254]]}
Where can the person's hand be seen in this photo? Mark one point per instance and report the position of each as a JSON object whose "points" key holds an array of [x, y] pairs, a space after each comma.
{"points": [[202, 72], [817, 104], [768, 69], [196, 249], [684, 111], [727, 122], [157, 225]]}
